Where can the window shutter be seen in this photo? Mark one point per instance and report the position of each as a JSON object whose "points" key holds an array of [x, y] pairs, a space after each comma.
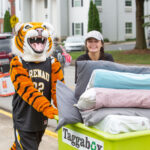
{"points": [[72, 3], [81, 3], [82, 28], [72, 28]]}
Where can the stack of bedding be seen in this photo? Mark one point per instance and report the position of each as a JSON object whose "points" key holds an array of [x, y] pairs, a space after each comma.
{"points": [[119, 96], [111, 89]]}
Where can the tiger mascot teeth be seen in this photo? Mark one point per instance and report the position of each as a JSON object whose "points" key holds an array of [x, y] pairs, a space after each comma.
{"points": [[34, 74]]}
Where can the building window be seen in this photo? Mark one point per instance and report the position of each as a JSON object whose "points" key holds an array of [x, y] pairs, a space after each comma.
{"points": [[45, 3], [128, 28], [77, 3], [98, 2], [77, 28], [128, 3]]}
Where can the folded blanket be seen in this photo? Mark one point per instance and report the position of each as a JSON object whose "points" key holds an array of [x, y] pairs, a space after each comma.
{"points": [[95, 98], [116, 124], [118, 80], [92, 117]]}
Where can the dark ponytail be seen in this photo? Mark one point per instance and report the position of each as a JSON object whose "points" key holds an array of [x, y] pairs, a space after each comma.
{"points": [[102, 51]]}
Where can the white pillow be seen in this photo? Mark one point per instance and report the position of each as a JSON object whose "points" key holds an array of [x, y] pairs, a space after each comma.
{"points": [[116, 124], [87, 100]]}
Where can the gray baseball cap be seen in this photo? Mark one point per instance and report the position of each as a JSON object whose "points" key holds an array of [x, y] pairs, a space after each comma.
{"points": [[94, 34]]}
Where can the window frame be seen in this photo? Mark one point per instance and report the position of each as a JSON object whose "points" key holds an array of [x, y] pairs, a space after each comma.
{"points": [[128, 28], [100, 3], [127, 2], [75, 3], [79, 29], [75, 29]]}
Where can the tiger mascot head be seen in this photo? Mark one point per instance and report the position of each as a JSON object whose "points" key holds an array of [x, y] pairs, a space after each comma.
{"points": [[32, 41]]}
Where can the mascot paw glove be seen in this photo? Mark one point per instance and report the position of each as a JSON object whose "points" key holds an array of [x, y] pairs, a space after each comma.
{"points": [[50, 112]]}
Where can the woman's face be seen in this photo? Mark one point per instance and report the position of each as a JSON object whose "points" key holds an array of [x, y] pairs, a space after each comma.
{"points": [[93, 45]]}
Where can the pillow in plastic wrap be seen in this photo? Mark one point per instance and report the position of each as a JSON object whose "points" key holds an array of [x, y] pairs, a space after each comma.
{"points": [[92, 117], [116, 124], [95, 98]]}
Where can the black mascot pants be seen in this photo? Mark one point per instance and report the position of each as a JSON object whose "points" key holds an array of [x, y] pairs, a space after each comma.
{"points": [[28, 140]]}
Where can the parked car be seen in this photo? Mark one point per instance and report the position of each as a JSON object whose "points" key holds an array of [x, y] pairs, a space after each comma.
{"points": [[5, 51], [74, 43]]}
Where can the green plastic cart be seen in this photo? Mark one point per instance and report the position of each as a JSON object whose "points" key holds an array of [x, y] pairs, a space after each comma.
{"points": [[78, 136]]}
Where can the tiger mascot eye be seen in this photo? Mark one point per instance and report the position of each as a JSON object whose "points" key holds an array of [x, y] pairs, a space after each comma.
{"points": [[34, 74]]}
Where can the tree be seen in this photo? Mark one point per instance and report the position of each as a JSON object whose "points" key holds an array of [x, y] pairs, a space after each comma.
{"points": [[93, 20], [140, 33], [96, 20], [7, 26], [90, 22]]}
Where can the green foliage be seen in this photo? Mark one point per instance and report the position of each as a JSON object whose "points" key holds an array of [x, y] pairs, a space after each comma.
{"points": [[93, 20], [133, 39], [90, 21], [76, 54], [96, 20], [121, 57], [146, 24], [106, 40], [7, 26], [127, 58]]}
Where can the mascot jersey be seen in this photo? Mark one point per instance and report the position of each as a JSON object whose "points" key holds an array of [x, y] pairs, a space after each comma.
{"points": [[33, 120], [34, 76]]}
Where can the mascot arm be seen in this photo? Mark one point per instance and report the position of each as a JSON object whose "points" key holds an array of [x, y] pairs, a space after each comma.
{"points": [[25, 88], [56, 74]]}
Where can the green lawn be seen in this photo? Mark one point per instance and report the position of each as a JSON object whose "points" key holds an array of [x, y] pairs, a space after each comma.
{"points": [[121, 57]]}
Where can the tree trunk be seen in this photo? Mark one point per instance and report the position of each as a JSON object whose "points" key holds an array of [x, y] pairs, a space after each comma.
{"points": [[140, 32]]}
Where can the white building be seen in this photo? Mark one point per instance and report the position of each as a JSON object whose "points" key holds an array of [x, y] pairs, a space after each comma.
{"points": [[51, 11], [70, 17]]}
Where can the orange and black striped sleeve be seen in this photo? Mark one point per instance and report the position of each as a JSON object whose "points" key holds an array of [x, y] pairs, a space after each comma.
{"points": [[56, 74], [25, 87]]}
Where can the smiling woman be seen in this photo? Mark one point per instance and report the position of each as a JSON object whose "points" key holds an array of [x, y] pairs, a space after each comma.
{"points": [[94, 44]]}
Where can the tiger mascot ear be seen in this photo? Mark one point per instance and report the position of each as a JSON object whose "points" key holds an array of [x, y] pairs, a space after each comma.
{"points": [[17, 27], [50, 28], [33, 41]]}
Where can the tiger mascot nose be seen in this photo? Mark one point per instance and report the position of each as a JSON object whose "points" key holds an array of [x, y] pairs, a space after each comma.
{"points": [[39, 30]]}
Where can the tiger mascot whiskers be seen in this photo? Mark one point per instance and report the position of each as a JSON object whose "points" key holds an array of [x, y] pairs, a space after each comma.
{"points": [[34, 74]]}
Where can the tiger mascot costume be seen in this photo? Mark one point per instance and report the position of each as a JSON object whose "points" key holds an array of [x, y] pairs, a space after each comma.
{"points": [[34, 74]]}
